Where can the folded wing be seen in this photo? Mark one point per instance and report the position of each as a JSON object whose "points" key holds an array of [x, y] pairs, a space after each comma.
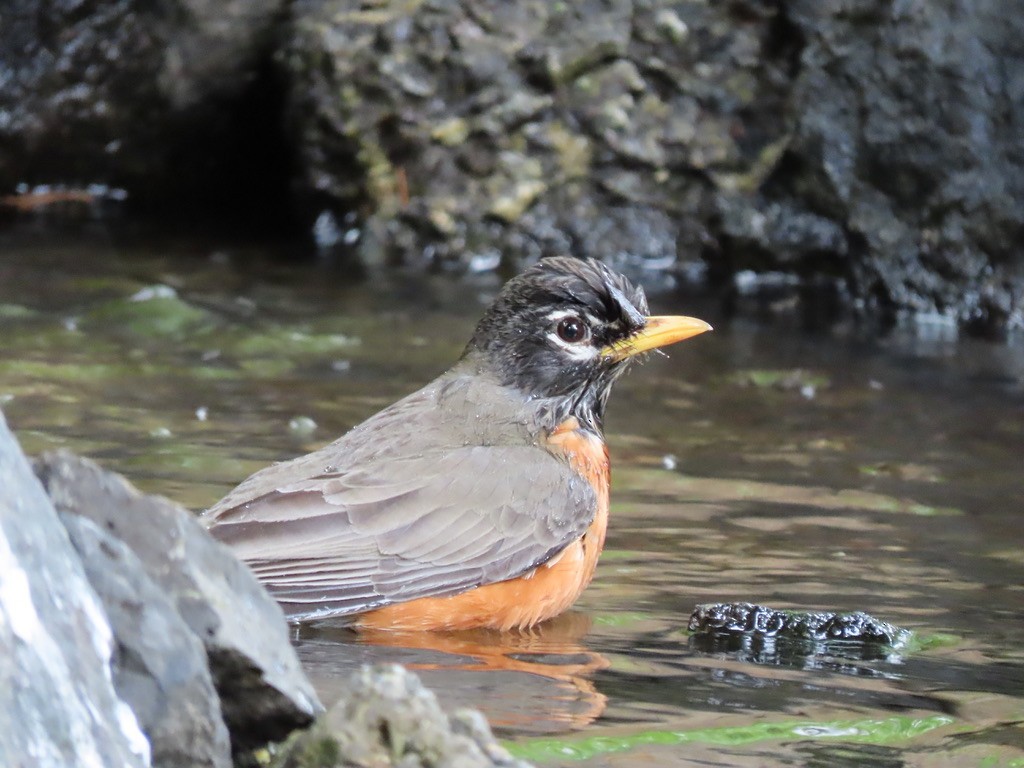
{"points": [[416, 520]]}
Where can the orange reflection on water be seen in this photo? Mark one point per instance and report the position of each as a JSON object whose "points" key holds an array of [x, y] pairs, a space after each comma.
{"points": [[529, 682]]}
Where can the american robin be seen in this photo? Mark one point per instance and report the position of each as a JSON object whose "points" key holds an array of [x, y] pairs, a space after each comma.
{"points": [[480, 500]]}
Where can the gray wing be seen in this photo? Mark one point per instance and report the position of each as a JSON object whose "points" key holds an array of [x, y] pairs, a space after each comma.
{"points": [[416, 519]]}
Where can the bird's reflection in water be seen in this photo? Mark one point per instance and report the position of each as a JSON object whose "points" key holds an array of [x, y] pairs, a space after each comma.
{"points": [[529, 682]]}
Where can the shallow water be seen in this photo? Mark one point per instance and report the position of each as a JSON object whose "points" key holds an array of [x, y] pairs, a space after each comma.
{"points": [[759, 463]]}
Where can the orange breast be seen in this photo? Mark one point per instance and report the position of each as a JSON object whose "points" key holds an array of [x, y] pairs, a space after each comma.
{"points": [[548, 590]]}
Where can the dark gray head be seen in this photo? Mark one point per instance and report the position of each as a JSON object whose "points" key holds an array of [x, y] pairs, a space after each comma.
{"points": [[551, 331]]}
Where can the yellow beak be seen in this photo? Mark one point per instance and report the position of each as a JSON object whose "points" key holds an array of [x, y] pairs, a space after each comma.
{"points": [[658, 332]]}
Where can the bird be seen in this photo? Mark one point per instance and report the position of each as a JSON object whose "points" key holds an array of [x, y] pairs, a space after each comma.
{"points": [[479, 501]]}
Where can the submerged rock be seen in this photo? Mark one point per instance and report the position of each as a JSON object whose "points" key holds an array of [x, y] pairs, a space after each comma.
{"points": [[57, 696], [264, 693], [771, 636], [155, 313], [387, 718]]}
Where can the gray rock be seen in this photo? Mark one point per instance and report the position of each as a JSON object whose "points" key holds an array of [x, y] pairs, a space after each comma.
{"points": [[57, 695], [264, 692], [160, 667], [387, 718]]}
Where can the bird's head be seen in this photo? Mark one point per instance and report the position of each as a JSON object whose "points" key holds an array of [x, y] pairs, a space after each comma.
{"points": [[565, 329]]}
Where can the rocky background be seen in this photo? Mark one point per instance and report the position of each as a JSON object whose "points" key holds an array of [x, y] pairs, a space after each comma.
{"points": [[872, 150]]}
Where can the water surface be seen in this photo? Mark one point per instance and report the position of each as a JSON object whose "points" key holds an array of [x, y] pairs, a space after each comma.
{"points": [[760, 463]]}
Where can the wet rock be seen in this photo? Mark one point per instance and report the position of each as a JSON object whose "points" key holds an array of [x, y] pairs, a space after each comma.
{"points": [[871, 150], [127, 93], [57, 694], [766, 635], [387, 718], [530, 128], [903, 173], [746, 617], [264, 693], [160, 667]]}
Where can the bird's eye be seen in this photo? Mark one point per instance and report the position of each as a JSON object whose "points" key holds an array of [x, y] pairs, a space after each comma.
{"points": [[573, 330]]}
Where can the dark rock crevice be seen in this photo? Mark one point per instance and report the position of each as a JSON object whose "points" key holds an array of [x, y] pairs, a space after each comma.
{"points": [[176, 103]]}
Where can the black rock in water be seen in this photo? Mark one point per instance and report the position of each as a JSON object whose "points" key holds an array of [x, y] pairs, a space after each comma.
{"points": [[902, 164], [767, 635]]}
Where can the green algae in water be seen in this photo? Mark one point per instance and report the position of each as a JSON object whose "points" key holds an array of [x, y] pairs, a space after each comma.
{"points": [[868, 731], [289, 341], [723, 490], [620, 619], [612, 555], [64, 372], [926, 510], [16, 312], [779, 379], [152, 313], [36, 371], [918, 643], [998, 762], [267, 368]]}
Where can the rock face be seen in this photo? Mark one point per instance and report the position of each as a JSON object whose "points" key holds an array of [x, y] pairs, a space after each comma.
{"points": [[874, 144], [387, 718], [903, 170], [488, 130], [57, 693], [872, 147], [160, 667], [127, 634], [264, 693]]}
